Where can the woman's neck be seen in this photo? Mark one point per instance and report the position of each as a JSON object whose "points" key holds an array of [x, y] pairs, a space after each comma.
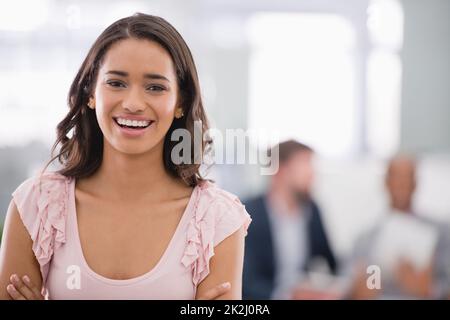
{"points": [[128, 176]]}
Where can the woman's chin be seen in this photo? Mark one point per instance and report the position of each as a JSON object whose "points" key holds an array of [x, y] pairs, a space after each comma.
{"points": [[133, 149]]}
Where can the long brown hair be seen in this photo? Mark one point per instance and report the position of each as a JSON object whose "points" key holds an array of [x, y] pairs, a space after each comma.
{"points": [[81, 154]]}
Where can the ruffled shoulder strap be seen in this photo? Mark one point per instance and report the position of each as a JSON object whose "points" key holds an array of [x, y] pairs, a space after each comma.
{"points": [[217, 215], [42, 204]]}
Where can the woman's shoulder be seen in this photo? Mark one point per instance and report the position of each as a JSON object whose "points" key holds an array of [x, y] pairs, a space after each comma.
{"points": [[42, 202], [39, 181], [46, 176], [217, 215], [41, 185], [221, 210], [211, 193]]}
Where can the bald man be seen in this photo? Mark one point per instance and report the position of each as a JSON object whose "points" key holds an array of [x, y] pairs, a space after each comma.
{"points": [[406, 280], [401, 183]]}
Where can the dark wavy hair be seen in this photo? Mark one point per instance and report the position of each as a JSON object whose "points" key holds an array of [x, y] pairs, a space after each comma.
{"points": [[81, 154]]}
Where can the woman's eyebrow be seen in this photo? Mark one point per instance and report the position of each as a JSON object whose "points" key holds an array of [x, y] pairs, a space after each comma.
{"points": [[147, 75], [117, 73], [155, 76]]}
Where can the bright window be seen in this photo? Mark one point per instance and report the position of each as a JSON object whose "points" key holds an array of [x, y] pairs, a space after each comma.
{"points": [[302, 79]]}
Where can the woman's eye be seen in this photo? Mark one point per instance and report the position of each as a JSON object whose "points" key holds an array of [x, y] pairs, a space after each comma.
{"points": [[155, 88], [115, 84]]}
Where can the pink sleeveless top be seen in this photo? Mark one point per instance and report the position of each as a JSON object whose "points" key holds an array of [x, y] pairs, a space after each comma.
{"points": [[47, 207]]}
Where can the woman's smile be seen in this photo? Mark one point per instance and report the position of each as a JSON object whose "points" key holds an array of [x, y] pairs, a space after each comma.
{"points": [[133, 128]]}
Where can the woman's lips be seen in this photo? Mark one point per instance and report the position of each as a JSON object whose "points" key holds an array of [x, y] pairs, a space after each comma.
{"points": [[132, 121], [133, 132]]}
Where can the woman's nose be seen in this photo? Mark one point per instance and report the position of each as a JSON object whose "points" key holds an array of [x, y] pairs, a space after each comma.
{"points": [[134, 101]]}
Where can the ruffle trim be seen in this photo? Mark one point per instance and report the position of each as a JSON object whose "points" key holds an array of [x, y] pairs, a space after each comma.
{"points": [[47, 228], [202, 226]]}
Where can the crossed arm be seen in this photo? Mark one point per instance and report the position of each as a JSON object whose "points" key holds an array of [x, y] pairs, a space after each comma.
{"points": [[16, 254]]}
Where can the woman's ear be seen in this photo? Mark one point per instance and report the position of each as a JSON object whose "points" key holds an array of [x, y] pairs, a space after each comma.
{"points": [[91, 103], [179, 113]]}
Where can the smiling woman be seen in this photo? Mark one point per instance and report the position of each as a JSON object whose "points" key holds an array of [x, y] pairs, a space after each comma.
{"points": [[121, 219]]}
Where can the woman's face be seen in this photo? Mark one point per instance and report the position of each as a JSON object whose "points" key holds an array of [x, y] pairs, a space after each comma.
{"points": [[135, 95]]}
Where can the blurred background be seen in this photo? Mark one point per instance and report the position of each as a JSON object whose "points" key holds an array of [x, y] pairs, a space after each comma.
{"points": [[357, 80]]}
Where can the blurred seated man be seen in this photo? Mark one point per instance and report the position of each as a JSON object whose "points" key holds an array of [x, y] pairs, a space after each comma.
{"points": [[287, 236], [412, 252]]}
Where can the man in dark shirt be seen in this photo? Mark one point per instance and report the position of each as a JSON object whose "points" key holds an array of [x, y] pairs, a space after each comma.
{"points": [[287, 236]]}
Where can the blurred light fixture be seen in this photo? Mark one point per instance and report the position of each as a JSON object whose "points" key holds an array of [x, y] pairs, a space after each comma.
{"points": [[385, 23]]}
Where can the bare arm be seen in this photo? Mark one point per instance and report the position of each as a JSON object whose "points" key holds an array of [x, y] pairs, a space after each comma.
{"points": [[226, 266], [16, 254]]}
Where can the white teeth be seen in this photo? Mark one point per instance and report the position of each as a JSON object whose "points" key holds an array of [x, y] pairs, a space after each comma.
{"points": [[132, 123]]}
